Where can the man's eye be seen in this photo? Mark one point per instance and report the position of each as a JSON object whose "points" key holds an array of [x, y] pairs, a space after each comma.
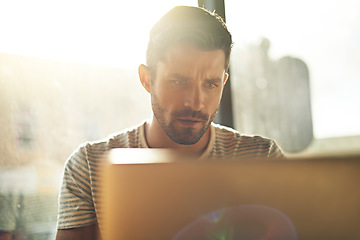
{"points": [[177, 82], [212, 85]]}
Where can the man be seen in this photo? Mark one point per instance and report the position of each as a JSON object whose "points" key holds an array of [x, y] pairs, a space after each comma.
{"points": [[187, 61]]}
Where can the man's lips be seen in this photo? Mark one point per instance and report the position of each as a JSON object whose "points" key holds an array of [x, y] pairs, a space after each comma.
{"points": [[189, 122], [190, 119]]}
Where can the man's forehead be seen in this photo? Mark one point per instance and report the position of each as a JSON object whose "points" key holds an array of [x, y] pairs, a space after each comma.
{"points": [[191, 54]]}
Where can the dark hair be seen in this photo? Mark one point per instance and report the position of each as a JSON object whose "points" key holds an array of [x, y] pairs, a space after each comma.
{"points": [[184, 24]]}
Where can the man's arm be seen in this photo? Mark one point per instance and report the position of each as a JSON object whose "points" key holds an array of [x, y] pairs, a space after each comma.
{"points": [[76, 215], [90, 232]]}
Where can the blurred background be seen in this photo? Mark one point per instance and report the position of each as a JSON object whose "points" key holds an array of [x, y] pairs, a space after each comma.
{"points": [[68, 74]]}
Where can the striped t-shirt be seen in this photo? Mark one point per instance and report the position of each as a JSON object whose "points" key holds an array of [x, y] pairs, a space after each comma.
{"points": [[79, 200]]}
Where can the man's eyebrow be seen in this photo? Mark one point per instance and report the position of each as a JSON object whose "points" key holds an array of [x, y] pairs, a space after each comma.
{"points": [[180, 77], [214, 80], [177, 76]]}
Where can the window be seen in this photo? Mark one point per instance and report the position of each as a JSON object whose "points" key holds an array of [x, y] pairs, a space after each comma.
{"points": [[295, 73]]}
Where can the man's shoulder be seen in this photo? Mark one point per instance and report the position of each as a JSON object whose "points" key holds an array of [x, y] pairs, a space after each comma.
{"points": [[127, 138], [227, 134], [231, 142]]}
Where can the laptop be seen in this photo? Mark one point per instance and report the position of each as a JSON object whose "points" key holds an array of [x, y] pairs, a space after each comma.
{"points": [[157, 194]]}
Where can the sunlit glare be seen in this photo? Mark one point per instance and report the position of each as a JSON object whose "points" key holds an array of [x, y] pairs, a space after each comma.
{"points": [[241, 222], [325, 34], [106, 32]]}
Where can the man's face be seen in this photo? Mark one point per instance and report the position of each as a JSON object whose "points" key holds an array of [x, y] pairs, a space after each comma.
{"points": [[186, 91]]}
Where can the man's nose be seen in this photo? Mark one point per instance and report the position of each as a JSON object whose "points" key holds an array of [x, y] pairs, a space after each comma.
{"points": [[194, 98]]}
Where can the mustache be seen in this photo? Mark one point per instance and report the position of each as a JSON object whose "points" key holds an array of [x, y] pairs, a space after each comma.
{"points": [[188, 113]]}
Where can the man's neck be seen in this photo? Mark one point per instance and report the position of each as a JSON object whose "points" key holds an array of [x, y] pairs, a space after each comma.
{"points": [[157, 138]]}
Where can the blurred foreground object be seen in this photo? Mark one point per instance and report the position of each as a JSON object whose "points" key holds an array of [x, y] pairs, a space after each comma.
{"points": [[177, 198]]}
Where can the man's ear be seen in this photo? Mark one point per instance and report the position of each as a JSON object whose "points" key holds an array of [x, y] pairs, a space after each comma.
{"points": [[226, 77], [145, 76]]}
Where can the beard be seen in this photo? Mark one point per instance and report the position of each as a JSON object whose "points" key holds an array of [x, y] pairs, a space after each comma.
{"points": [[181, 135]]}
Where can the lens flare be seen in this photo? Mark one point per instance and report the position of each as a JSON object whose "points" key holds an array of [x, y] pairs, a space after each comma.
{"points": [[240, 222]]}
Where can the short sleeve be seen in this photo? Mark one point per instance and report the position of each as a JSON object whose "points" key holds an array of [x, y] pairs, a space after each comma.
{"points": [[275, 151], [76, 207]]}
